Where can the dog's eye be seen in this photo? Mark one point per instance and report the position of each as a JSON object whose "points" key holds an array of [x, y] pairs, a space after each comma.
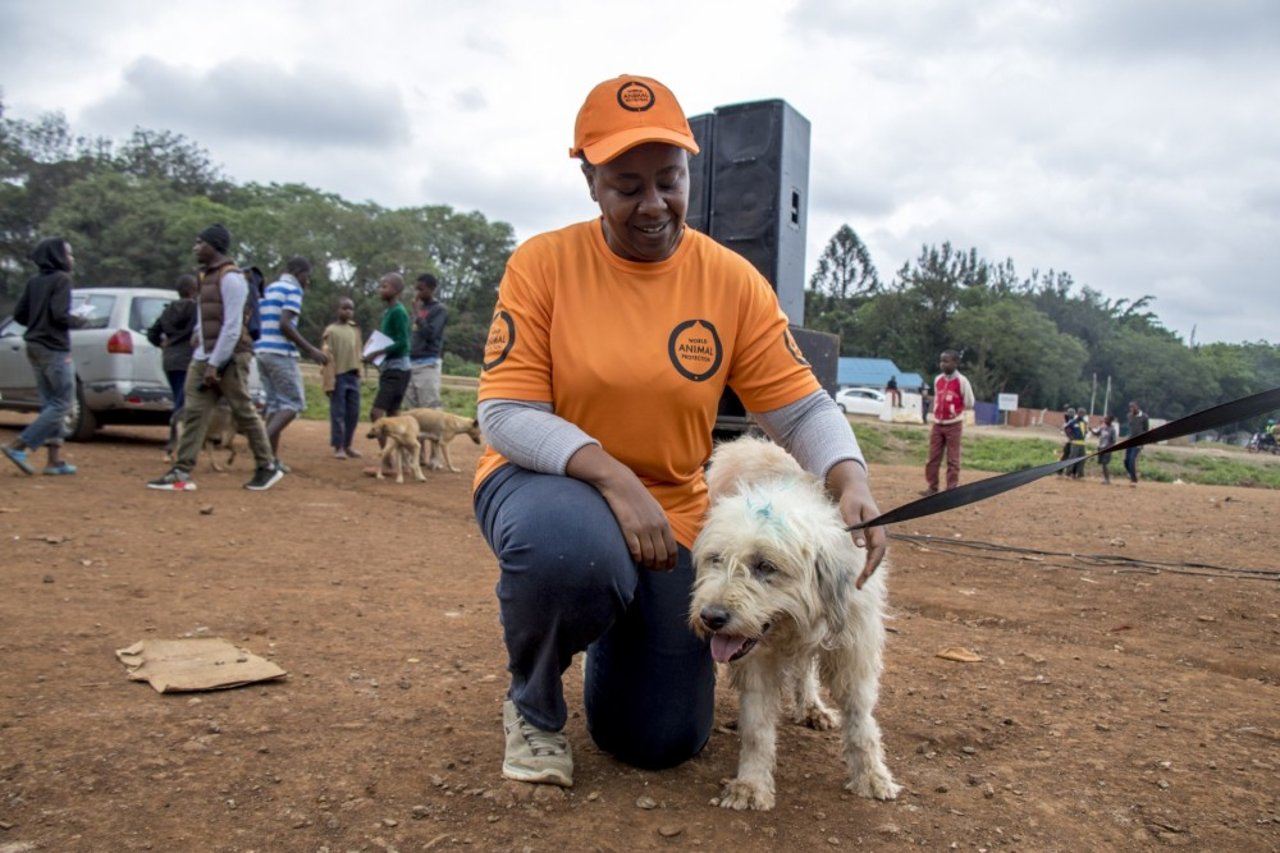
{"points": [[764, 570]]}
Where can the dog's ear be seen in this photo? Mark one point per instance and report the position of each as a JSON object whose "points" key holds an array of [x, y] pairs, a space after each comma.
{"points": [[834, 580]]}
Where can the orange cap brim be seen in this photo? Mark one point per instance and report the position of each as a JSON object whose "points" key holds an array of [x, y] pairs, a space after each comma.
{"points": [[611, 146]]}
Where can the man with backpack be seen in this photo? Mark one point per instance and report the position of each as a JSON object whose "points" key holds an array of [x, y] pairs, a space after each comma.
{"points": [[219, 366], [277, 349], [952, 397]]}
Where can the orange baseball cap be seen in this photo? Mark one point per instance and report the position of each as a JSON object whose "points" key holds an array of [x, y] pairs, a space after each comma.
{"points": [[627, 111]]}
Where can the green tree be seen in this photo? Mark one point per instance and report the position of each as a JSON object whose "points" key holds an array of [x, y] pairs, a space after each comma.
{"points": [[1010, 346], [941, 281], [38, 161], [845, 269], [120, 228], [172, 158]]}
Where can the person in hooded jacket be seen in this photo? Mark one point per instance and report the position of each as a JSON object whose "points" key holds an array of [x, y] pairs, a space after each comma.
{"points": [[45, 309]]}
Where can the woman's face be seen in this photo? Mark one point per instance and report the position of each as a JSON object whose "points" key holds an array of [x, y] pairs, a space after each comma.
{"points": [[643, 195]]}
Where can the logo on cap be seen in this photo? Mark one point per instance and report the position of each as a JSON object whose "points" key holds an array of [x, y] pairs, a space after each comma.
{"points": [[635, 96]]}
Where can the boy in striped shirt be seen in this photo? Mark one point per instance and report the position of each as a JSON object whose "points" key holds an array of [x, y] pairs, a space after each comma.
{"points": [[277, 349]]}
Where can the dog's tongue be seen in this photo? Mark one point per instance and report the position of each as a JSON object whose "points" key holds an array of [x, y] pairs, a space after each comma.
{"points": [[725, 646]]}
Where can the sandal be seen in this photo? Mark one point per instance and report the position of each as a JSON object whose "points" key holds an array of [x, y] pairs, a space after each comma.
{"points": [[60, 470]]}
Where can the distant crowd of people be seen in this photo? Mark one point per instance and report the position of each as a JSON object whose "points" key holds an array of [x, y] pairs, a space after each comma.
{"points": [[224, 320]]}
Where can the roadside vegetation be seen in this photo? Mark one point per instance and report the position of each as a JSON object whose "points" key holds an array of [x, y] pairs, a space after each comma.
{"points": [[1209, 464], [902, 444]]}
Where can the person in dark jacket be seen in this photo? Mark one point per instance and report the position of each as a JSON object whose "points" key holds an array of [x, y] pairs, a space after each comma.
{"points": [[172, 332], [1138, 424], [45, 309]]}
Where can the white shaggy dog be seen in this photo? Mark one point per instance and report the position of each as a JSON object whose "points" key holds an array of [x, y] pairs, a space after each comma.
{"points": [[775, 591]]}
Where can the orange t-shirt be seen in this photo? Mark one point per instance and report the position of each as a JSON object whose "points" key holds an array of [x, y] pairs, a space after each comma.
{"points": [[637, 355]]}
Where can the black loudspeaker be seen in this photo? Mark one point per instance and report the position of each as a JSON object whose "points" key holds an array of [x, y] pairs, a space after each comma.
{"points": [[759, 180], [748, 190], [820, 349], [698, 216]]}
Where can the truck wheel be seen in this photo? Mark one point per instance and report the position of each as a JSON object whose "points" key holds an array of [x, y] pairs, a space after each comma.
{"points": [[81, 423]]}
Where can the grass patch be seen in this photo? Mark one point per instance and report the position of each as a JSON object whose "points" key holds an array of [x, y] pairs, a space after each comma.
{"points": [[460, 401], [899, 444], [989, 453]]}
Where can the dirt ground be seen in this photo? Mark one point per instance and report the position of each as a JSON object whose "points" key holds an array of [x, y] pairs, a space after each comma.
{"points": [[1113, 708]]}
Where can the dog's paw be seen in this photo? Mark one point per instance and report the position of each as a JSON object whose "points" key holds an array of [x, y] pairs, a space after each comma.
{"points": [[876, 785], [739, 794], [817, 716]]}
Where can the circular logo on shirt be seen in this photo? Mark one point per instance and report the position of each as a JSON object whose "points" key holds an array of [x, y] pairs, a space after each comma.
{"points": [[793, 348], [695, 350], [635, 96], [502, 337]]}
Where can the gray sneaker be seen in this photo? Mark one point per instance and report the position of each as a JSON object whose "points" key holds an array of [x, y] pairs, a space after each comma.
{"points": [[176, 480], [534, 755]]}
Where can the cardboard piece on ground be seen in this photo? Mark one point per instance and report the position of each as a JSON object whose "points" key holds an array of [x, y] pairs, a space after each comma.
{"points": [[959, 654], [200, 663]]}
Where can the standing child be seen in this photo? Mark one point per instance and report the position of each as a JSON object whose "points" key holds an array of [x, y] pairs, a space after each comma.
{"points": [[1107, 435], [952, 396], [394, 371], [341, 342]]}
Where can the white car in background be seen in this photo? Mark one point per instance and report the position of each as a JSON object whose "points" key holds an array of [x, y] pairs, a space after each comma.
{"points": [[119, 375], [860, 401]]}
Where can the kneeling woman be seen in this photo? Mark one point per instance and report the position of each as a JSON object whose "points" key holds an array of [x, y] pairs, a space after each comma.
{"points": [[612, 343]]}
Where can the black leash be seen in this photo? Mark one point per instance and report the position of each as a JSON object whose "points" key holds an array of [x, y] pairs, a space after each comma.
{"points": [[1227, 413]]}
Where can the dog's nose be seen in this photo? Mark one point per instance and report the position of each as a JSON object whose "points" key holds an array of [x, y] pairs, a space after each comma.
{"points": [[714, 618]]}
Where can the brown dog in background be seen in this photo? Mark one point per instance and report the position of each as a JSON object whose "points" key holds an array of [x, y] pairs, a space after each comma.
{"points": [[221, 434], [440, 427], [399, 435]]}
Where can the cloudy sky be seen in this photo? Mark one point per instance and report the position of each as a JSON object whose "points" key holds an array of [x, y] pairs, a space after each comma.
{"points": [[1133, 144]]}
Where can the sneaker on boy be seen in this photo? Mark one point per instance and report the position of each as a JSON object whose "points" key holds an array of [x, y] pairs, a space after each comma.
{"points": [[264, 478], [533, 755], [176, 480]]}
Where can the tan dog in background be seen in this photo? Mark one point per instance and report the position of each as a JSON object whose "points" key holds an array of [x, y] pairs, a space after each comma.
{"points": [[440, 427], [775, 592], [399, 435], [221, 435]]}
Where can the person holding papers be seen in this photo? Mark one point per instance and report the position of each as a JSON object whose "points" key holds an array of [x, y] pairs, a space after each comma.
{"points": [[391, 354]]}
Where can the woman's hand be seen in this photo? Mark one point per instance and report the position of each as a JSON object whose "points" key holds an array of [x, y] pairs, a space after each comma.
{"points": [[847, 481], [640, 517]]}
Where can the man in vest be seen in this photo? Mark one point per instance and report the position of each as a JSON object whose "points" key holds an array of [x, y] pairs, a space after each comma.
{"points": [[952, 396], [219, 367]]}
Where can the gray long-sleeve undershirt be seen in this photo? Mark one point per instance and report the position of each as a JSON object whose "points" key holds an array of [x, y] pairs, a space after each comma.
{"points": [[531, 435]]}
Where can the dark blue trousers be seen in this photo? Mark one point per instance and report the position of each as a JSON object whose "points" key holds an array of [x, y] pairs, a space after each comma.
{"points": [[1131, 462], [568, 584], [344, 410]]}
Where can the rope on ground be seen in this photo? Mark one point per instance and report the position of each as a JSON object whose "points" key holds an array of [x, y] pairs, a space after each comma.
{"points": [[1078, 561]]}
